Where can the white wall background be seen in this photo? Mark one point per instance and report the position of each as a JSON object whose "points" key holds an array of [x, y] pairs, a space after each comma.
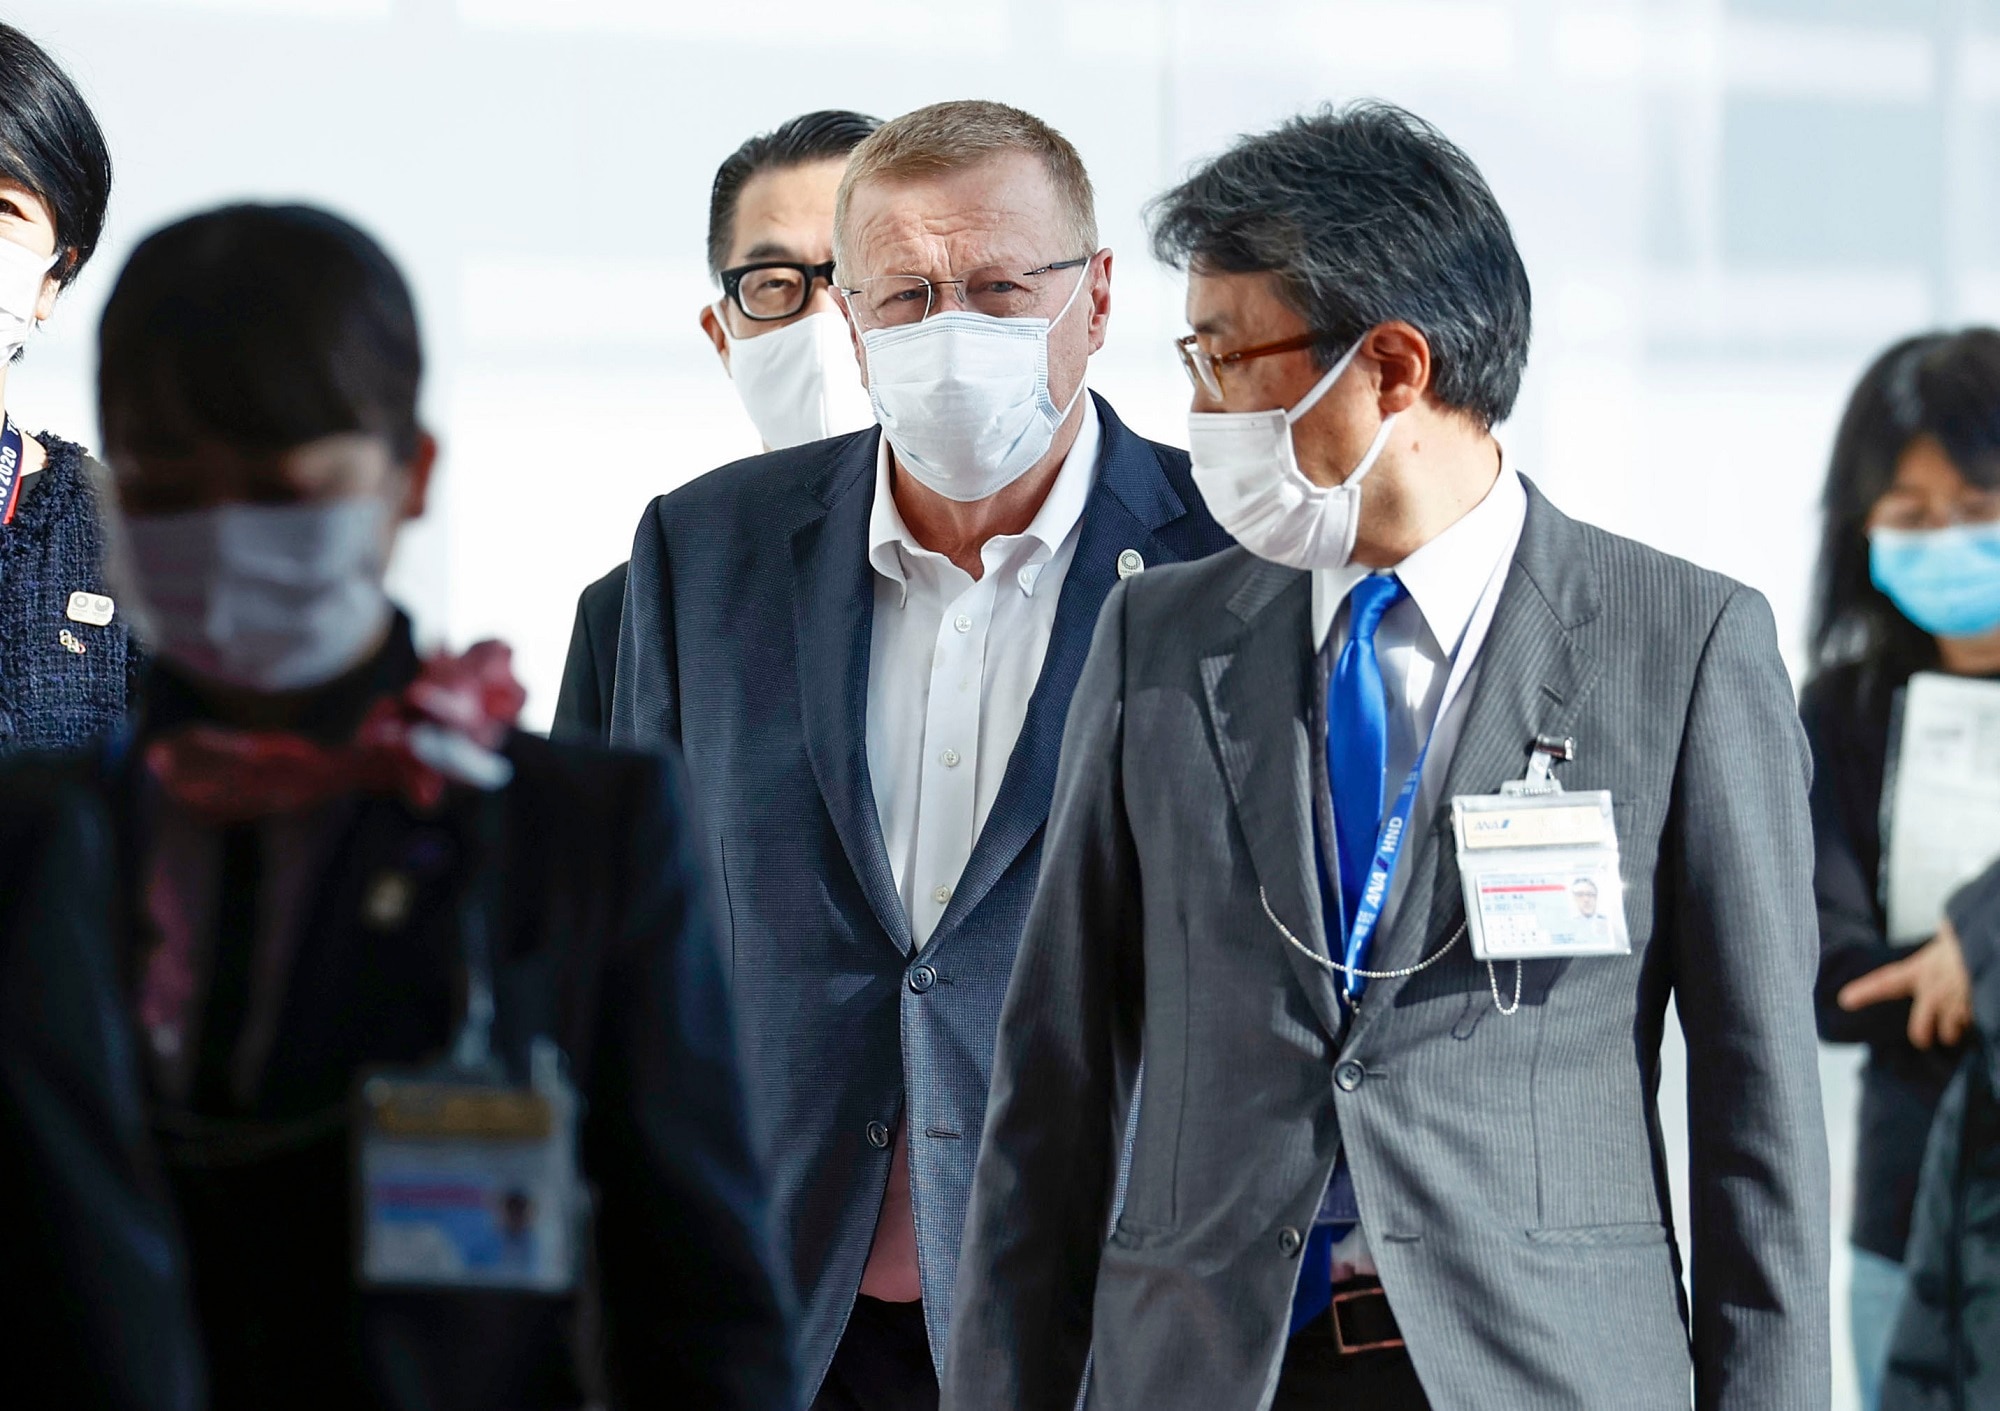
{"points": [[1726, 208]]}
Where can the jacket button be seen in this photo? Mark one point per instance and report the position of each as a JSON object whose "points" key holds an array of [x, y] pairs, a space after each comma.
{"points": [[1347, 1077], [922, 978], [878, 1135], [1289, 1242]]}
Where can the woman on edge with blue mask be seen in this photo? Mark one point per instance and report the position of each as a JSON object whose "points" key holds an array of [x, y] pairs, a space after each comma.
{"points": [[1908, 580]]}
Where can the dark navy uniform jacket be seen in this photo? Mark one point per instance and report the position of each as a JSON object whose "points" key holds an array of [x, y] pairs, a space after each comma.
{"points": [[605, 942]]}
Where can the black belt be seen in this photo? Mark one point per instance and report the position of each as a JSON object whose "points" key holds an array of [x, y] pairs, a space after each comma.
{"points": [[1360, 1319]]}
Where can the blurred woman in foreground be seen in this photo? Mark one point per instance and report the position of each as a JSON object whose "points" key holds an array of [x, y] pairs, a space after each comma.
{"points": [[419, 992]]}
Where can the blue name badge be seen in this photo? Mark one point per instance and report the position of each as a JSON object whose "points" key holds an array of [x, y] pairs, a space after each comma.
{"points": [[468, 1184], [1540, 875]]}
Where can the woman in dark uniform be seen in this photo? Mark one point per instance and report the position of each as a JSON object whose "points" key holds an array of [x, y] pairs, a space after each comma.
{"points": [[63, 657], [432, 1010]]}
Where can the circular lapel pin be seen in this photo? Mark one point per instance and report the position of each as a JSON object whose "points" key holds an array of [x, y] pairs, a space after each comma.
{"points": [[68, 639], [1130, 562], [386, 907]]}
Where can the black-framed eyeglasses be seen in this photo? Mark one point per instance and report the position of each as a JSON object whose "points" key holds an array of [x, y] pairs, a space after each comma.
{"points": [[893, 299], [775, 289]]}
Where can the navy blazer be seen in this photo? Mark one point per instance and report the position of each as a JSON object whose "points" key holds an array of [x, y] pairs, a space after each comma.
{"points": [[96, 1305], [583, 702], [745, 642]]}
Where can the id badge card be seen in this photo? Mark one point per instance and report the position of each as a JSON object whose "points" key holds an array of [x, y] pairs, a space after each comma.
{"points": [[467, 1183], [1540, 875]]}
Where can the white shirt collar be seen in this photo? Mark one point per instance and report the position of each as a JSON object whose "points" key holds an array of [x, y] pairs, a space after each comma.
{"points": [[1447, 576], [890, 542]]}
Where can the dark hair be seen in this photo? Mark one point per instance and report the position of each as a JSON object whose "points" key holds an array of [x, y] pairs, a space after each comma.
{"points": [[1366, 214], [262, 326], [1942, 385], [814, 137], [51, 144]]}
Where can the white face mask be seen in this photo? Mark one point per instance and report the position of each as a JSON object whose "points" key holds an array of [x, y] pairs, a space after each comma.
{"points": [[800, 382], [22, 274], [1248, 473], [262, 597], [964, 397]]}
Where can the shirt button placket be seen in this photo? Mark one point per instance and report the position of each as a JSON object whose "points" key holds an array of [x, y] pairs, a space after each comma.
{"points": [[951, 734]]}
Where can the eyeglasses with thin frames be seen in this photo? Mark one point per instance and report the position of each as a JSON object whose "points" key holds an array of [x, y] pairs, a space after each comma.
{"points": [[892, 300]]}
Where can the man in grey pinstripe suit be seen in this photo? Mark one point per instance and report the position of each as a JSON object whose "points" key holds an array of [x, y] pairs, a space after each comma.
{"points": [[1378, 1173]]}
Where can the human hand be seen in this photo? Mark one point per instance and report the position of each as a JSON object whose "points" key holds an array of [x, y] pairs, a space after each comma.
{"points": [[1935, 981]]}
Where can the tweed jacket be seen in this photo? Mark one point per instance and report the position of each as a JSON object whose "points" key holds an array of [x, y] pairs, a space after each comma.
{"points": [[63, 680]]}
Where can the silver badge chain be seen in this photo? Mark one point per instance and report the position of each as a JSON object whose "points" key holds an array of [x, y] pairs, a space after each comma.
{"points": [[1334, 966]]}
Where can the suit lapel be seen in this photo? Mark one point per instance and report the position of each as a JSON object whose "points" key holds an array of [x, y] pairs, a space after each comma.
{"points": [[834, 615], [1131, 499], [1258, 686], [1533, 674]]}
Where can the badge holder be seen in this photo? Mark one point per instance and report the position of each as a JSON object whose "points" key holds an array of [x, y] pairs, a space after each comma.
{"points": [[1539, 868], [465, 1180]]}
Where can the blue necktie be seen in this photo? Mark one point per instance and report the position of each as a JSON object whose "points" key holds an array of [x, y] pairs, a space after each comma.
{"points": [[1357, 754], [1357, 747]]}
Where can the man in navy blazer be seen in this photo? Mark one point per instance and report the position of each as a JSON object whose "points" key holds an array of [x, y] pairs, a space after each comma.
{"points": [[865, 649]]}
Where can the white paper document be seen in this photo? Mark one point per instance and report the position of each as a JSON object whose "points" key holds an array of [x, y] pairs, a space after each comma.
{"points": [[1943, 815]]}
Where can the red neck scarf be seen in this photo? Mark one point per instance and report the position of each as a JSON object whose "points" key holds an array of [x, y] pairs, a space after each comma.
{"points": [[444, 727]]}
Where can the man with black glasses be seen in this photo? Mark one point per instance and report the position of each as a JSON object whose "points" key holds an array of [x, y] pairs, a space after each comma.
{"points": [[865, 649], [777, 330]]}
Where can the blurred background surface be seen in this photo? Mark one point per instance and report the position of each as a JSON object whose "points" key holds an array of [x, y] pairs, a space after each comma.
{"points": [[1726, 209]]}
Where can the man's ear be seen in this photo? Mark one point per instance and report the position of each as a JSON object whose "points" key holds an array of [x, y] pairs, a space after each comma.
{"points": [[711, 324], [1402, 358], [1098, 273], [418, 469]]}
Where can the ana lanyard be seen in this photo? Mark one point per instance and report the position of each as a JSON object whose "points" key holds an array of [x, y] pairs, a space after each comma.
{"points": [[12, 455], [1395, 829], [1375, 892]]}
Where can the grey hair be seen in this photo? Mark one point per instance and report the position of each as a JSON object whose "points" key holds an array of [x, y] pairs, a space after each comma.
{"points": [[1366, 214]]}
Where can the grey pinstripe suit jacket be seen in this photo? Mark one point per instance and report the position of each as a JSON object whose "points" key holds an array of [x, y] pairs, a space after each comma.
{"points": [[1509, 1169]]}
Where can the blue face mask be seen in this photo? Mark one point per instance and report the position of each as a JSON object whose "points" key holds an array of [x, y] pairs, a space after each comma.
{"points": [[1947, 581]]}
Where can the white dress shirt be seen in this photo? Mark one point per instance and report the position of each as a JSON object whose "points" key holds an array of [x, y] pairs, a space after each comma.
{"points": [[953, 663], [1428, 644], [1428, 648]]}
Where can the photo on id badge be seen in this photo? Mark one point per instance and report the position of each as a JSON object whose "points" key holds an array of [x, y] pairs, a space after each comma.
{"points": [[1540, 875]]}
